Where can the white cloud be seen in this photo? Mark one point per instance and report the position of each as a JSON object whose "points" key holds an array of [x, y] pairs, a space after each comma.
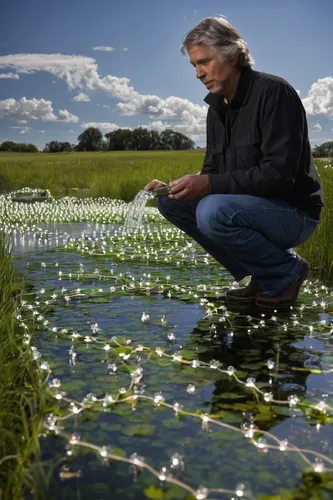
{"points": [[155, 107], [298, 92], [13, 76], [81, 97], [158, 125], [110, 127], [317, 126], [75, 70], [125, 49], [41, 131], [104, 48], [82, 72], [320, 98], [32, 109], [67, 117], [25, 130], [196, 132], [117, 87]]}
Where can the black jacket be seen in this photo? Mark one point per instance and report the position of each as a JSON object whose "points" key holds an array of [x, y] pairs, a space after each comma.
{"points": [[258, 144]]}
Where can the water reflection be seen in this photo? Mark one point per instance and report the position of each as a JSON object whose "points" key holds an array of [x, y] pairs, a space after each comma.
{"points": [[54, 234], [267, 355]]}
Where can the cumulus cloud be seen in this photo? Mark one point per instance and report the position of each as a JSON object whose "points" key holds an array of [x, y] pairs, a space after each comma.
{"points": [[317, 126], [155, 107], [117, 87], [25, 130], [67, 117], [33, 109], [13, 76], [82, 72], [104, 48], [157, 125], [75, 70], [319, 100], [81, 97], [110, 127], [195, 131], [125, 49]]}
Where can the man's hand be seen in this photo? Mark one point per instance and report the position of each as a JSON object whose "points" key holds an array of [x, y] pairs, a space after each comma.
{"points": [[155, 184], [190, 187]]}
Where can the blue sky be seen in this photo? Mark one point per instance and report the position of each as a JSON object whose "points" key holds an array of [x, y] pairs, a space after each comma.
{"points": [[69, 64]]}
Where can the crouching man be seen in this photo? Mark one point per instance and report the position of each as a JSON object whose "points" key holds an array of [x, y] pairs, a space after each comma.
{"points": [[259, 194]]}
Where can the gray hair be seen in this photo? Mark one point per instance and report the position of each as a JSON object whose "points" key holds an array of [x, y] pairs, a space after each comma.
{"points": [[218, 34]]}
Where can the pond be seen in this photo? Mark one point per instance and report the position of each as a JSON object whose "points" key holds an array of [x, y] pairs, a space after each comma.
{"points": [[159, 391]]}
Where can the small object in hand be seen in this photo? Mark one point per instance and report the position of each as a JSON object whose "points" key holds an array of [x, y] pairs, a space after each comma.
{"points": [[162, 191]]}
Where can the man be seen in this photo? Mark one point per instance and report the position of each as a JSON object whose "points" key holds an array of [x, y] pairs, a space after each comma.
{"points": [[259, 194]]}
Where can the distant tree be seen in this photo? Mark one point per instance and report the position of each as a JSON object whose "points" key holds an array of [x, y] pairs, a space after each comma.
{"points": [[140, 139], [7, 146], [324, 150], [155, 139], [53, 147], [18, 147], [31, 148], [176, 140], [164, 147], [90, 140], [104, 146], [66, 147], [119, 140], [57, 147]]}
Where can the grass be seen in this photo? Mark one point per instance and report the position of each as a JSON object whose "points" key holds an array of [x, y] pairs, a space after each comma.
{"points": [[120, 175], [318, 250], [23, 401]]}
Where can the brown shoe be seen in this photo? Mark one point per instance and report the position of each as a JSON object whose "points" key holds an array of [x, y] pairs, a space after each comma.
{"points": [[244, 296], [288, 296]]}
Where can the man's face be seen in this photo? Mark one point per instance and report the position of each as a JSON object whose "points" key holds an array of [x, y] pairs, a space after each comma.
{"points": [[217, 75]]}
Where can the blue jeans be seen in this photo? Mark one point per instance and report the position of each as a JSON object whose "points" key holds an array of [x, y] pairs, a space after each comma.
{"points": [[247, 235]]}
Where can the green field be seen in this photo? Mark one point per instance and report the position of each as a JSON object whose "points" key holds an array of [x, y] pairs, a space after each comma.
{"points": [[120, 175]]}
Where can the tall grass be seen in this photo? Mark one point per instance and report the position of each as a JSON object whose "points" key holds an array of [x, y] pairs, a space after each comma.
{"points": [[120, 175], [318, 250], [22, 394]]}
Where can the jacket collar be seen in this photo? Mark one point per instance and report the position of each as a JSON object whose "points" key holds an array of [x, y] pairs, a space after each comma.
{"points": [[242, 92]]}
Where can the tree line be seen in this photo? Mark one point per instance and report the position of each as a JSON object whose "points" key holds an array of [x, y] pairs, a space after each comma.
{"points": [[139, 139], [325, 150], [92, 139], [16, 147]]}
